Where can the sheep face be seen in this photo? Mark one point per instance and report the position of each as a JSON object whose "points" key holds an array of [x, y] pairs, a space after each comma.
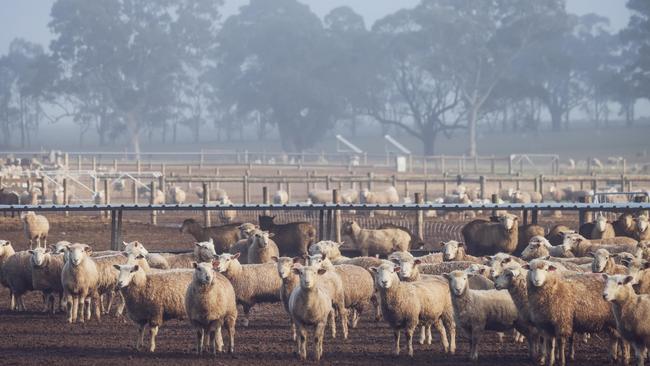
{"points": [[245, 230], [617, 287], [5, 246], [61, 247], [406, 266], [261, 238], [450, 250], [38, 257], [497, 262], [572, 240], [628, 221], [385, 275], [127, 271], [77, 253], [635, 267], [601, 256], [642, 223], [135, 247], [223, 262], [508, 221], [206, 249], [315, 260], [187, 225], [347, 227], [601, 223], [538, 272], [308, 275], [506, 278], [284, 266], [457, 282], [203, 273]]}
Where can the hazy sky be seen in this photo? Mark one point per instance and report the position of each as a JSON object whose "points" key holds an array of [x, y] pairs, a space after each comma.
{"points": [[28, 18]]}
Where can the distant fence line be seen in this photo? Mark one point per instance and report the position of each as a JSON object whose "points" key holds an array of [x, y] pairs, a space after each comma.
{"points": [[329, 217]]}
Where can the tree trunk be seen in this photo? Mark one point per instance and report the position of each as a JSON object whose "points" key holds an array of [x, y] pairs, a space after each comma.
{"points": [[556, 118], [471, 127], [134, 133]]}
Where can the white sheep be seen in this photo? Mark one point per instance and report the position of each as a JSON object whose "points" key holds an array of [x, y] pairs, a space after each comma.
{"points": [[46, 275], [280, 198], [330, 249], [372, 242], [210, 304], [36, 228], [79, 278], [152, 297], [261, 247]]}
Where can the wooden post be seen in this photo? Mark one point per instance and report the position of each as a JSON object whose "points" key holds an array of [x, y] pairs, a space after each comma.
{"points": [[206, 200], [43, 191], [492, 165], [107, 198], [328, 229], [154, 214], [525, 217], [328, 179], [279, 182], [245, 189], [535, 184], [265, 199], [115, 165], [481, 180], [321, 224], [444, 184], [406, 189], [138, 166], [495, 200], [518, 182], [65, 194], [135, 192], [541, 184], [510, 165], [94, 163], [394, 181], [371, 175], [288, 190], [426, 191], [534, 216], [163, 169], [442, 164], [113, 214], [78, 162], [419, 222], [337, 218]]}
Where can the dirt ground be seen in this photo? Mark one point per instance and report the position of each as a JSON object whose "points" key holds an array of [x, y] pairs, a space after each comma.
{"points": [[35, 338]]}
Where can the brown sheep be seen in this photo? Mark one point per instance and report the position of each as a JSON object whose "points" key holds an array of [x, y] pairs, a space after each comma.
{"points": [[9, 198], [487, 238], [293, 238], [642, 233], [376, 242], [602, 229], [581, 247], [624, 225], [526, 233], [556, 235], [223, 236], [36, 229], [416, 243]]}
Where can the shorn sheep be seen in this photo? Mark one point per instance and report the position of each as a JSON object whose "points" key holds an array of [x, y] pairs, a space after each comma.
{"points": [[253, 283], [280, 198], [581, 247], [376, 242], [79, 278], [479, 310], [631, 312], [405, 305], [604, 263], [487, 238], [210, 305], [310, 305], [153, 297], [36, 229]]}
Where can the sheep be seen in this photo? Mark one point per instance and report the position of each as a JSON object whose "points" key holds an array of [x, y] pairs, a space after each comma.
{"points": [[320, 196], [289, 282], [387, 196], [625, 226], [372, 242], [203, 252], [46, 274], [253, 283], [455, 251], [17, 276], [177, 196], [480, 310], [405, 305], [581, 247], [241, 246], [216, 194], [79, 277], [642, 233], [8, 197], [631, 313], [602, 229], [293, 238], [310, 305], [604, 263], [560, 307], [349, 196], [540, 247], [364, 262], [155, 260], [6, 251], [500, 261], [107, 278], [526, 197], [514, 280], [227, 216], [556, 235], [223, 236], [158, 197], [280, 197], [36, 228], [358, 287], [330, 249], [153, 297], [30, 197], [486, 238], [412, 269], [527, 232], [210, 304], [415, 243], [261, 248]]}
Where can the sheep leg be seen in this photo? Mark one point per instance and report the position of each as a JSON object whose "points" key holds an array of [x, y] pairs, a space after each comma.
{"points": [[639, 354], [331, 320], [50, 303], [200, 335], [120, 308], [21, 303], [247, 310], [318, 341], [423, 334], [107, 309], [12, 301], [443, 335], [375, 299], [343, 313], [475, 339], [354, 318], [396, 335], [74, 309], [140, 339], [409, 339], [219, 339], [430, 337], [230, 324], [302, 342], [562, 350], [153, 331], [293, 330], [450, 326]]}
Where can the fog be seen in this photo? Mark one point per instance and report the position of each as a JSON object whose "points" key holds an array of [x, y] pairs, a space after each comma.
{"points": [[341, 80]]}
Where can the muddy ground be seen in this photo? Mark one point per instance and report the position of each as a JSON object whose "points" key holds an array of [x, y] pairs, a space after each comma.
{"points": [[35, 338]]}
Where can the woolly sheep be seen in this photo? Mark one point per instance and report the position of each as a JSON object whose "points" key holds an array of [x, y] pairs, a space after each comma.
{"points": [[480, 310], [602, 229], [631, 313], [486, 238], [625, 225], [46, 275], [17, 276], [36, 229], [642, 233], [177, 196], [527, 232], [210, 304], [253, 283], [203, 252], [223, 236], [153, 297], [261, 248], [405, 305], [556, 235], [79, 277], [289, 282], [330, 249], [6, 251], [280, 197], [310, 304], [581, 247], [387, 196], [155, 260], [604, 263], [455, 251], [372, 242], [540, 247]]}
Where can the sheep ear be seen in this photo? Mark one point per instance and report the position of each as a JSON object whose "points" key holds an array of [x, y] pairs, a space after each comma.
{"points": [[447, 276], [140, 256], [373, 269], [116, 266], [30, 251], [604, 275], [321, 271], [627, 280], [194, 265], [271, 235], [396, 261], [506, 260], [236, 255], [461, 245], [124, 243], [526, 266], [646, 265], [417, 262], [135, 268], [551, 268], [295, 270], [274, 259]]}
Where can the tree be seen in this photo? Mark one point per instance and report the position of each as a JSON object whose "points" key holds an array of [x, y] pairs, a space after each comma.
{"points": [[131, 57], [274, 59], [637, 38]]}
